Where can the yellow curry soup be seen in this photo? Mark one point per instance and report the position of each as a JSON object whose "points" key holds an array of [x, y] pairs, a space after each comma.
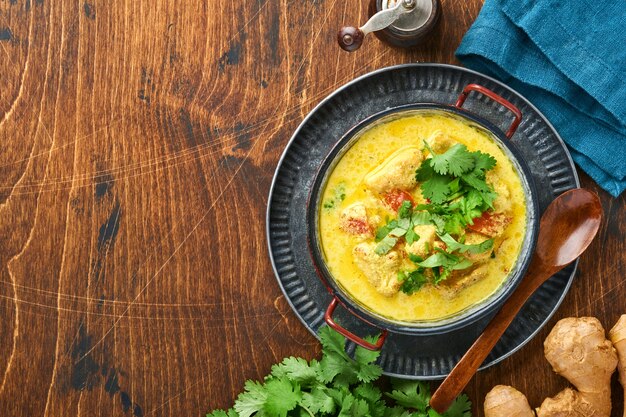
{"points": [[378, 163]]}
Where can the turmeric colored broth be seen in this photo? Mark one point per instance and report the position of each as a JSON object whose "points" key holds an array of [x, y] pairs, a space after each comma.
{"points": [[345, 187]]}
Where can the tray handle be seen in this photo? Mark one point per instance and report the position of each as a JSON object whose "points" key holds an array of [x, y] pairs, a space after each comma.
{"points": [[498, 99], [328, 317]]}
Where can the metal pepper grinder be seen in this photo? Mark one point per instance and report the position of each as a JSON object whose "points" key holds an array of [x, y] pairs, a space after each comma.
{"points": [[402, 23]]}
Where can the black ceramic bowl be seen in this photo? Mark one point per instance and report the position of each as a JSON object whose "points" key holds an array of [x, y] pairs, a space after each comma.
{"points": [[470, 314]]}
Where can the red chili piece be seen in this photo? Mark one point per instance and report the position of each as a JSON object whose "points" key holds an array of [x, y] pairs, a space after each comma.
{"points": [[394, 199], [490, 223]]}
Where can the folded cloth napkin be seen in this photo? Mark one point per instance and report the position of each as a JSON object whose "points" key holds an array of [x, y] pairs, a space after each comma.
{"points": [[567, 57]]}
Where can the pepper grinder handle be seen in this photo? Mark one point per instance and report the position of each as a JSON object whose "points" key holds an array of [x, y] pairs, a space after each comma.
{"points": [[350, 38]]}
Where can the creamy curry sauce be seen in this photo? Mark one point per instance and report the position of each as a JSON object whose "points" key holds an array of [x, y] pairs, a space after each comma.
{"points": [[346, 187]]}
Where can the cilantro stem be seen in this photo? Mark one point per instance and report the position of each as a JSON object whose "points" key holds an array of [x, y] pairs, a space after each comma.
{"points": [[455, 195], [307, 410]]}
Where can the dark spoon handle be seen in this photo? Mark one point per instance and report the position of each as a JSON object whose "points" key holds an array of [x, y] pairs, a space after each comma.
{"points": [[456, 381]]}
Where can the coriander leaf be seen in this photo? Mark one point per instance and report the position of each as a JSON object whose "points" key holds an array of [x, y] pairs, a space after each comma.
{"points": [[346, 405], [454, 246], [385, 245], [368, 392], [455, 161], [384, 230], [410, 394], [472, 200], [435, 260], [454, 223], [334, 368], [483, 161], [405, 209], [360, 408], [398, 232], [461, 407], [404, 223], [476, 181], [489, 197], [413, 281], [367, 370], [424, 172], [353, 407], [462, 263], [447, 262], [251, 400], [368, 373], [296, 369], [333, 343], [411, 236], [373, 397], [338, 394], [439, 221], [480, 184], [436, 188], [455, 186], [283, 396], [364, 356], [415, 258], [318, 401], [381, 232], [339, 368], [471, 206], [420, 218]]}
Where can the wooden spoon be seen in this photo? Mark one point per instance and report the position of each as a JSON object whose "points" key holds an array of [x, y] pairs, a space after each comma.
{"points": [[567, 227]]}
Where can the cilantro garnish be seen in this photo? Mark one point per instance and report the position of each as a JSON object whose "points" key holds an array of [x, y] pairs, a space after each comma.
{"points": [[453, 245], [336, 385], [456, 187], [412, 281], [447, 176], [387, 236], [454, 161], [339, 194], [385, 245], [405, 209], [442, 262]]}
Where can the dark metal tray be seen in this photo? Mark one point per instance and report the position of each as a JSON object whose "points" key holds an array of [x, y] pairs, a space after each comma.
{"points": [[419, 357]]}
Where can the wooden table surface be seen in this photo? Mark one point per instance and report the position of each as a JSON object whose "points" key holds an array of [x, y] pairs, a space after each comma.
{"points": [[137, 145]]}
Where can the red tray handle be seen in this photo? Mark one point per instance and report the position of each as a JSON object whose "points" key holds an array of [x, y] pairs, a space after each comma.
{"points": [[328, 317], [495, 97]]}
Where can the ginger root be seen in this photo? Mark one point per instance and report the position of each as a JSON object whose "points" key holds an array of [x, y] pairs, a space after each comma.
{"points": [[618, 337], [503, 400], [578, 350]]}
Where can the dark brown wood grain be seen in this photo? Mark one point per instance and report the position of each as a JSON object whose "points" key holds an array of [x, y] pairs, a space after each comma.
{"points": [[137, 145]]}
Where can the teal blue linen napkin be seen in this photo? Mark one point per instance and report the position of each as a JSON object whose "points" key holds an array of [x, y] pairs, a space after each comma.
{"points": [[568, 57]]}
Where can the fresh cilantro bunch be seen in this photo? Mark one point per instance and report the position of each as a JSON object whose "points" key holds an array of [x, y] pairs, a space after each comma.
{"points": [[455, 185], [336, 385]]}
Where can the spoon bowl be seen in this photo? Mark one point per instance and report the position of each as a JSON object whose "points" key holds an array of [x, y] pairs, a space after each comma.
{"points": [[567, 227]]}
